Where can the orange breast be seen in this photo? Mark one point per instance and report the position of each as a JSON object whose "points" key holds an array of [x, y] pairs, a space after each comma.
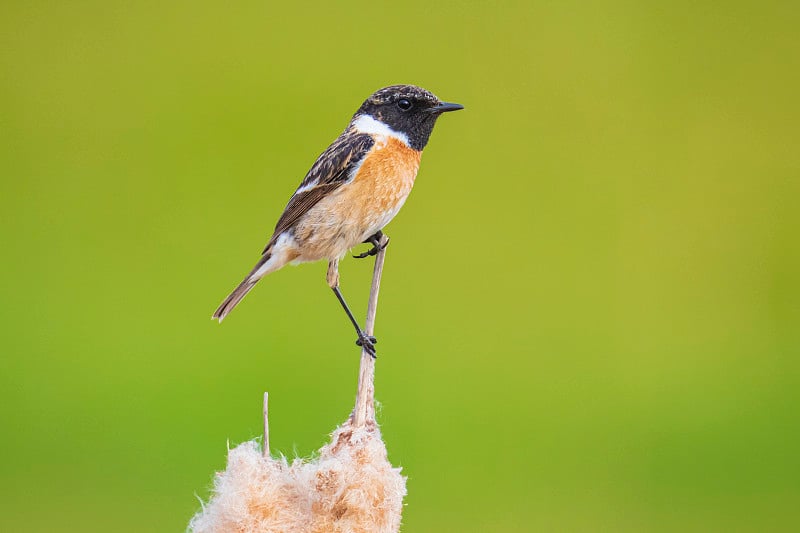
{"points": [[386, 176]]}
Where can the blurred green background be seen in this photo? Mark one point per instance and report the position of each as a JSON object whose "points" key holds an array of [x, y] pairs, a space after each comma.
{"points": [[590, 315]]}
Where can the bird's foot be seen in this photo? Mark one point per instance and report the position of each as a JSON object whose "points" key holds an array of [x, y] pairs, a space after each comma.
{"points": [[375, 240], [368, 342], [372, 251]]}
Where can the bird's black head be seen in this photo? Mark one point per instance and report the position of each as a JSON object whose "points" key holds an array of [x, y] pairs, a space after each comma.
{"points": [[406, 109]]}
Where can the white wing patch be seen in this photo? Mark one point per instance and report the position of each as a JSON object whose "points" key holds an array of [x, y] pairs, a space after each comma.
{"points": [[305, 188], [368, 124], [350, 175]]}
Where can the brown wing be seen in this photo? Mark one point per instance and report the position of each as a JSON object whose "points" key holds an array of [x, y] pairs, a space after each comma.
{"points": [[330, 171]]}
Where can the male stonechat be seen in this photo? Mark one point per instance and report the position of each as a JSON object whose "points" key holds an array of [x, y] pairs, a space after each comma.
{"points": [[354, 189]]}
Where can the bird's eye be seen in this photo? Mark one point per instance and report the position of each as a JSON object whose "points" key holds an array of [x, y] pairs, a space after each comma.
{"points": [[404, 104]]}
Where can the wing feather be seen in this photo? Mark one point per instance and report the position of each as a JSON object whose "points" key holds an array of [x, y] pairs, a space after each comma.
{"points": [[333, 168]]}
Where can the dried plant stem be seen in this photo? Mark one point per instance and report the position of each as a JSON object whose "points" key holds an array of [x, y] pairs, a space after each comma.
{"points": [[350, 486], [364, 411], [265, 448]]}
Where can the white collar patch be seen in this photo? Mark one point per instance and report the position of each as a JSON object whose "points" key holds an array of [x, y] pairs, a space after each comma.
{"points": [[368, 124]]}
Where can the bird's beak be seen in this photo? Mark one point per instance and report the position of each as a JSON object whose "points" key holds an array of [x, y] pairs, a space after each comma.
{"points": [[444, 107]]}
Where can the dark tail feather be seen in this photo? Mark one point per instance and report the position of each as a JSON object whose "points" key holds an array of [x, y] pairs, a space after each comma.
{"points": [[234, 298], [240, 291]]}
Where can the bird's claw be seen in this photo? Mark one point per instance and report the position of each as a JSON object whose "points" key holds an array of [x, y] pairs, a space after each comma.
{"points": [[368, 342], [375, 240], [372, 251]]}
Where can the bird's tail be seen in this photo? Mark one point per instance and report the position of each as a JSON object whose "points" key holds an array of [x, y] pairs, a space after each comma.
{"points": [[258, 272]]}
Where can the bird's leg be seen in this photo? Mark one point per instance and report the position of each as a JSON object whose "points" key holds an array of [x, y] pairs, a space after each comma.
{"points": [[368, 342], [375, 240]]}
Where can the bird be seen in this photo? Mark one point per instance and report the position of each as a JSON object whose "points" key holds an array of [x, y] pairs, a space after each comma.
{"points": [[352, 191]]}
